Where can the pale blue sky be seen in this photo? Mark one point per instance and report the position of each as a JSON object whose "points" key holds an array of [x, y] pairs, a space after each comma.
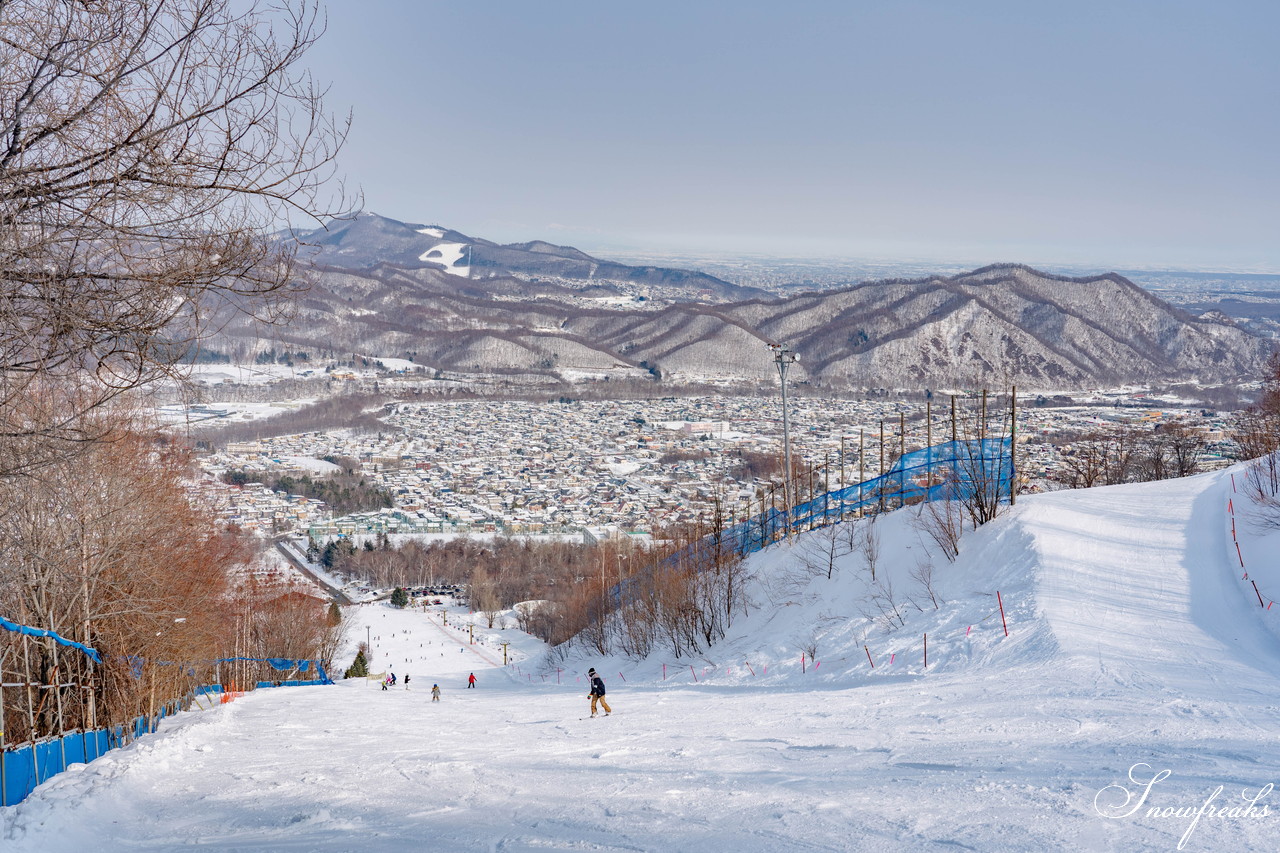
{"points": [[1117, 133]]}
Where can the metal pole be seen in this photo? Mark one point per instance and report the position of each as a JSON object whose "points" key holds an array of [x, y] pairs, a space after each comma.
{"points": [[953, 420], [784, 357]]}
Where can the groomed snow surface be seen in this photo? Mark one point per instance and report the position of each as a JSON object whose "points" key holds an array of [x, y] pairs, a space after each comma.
{"points": [[1135, 647]]}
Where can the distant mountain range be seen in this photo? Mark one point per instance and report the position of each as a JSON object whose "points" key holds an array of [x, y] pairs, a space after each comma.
{"points": [[533, 312], [368, 241]]}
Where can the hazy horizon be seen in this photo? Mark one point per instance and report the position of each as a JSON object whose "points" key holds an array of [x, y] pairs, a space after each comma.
{"points": [[1127, 134]]}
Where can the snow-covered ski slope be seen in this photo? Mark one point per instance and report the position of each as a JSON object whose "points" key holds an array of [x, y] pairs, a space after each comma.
{"points": [[1135, 647]]}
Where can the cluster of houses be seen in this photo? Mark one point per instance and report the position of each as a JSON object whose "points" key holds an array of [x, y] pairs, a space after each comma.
{"points": [[522, 468]]}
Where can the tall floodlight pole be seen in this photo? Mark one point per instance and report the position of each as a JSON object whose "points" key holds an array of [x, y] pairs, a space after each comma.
{"points": [[784, 357]]}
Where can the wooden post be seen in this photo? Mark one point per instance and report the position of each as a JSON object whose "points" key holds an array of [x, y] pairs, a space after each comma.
{"points": [[3, 800], [1013, 446], [928, 443], [982, 425], [880, 474], [842, 464], [902, 462], [31, 708], [57, 696], [826, 486]]}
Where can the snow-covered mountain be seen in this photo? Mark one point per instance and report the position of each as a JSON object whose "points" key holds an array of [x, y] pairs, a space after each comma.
{"points": [[1132, 705], [384, 288], [367, 241]]}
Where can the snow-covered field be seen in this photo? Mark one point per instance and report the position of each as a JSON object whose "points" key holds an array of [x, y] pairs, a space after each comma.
{"points": [[1135, 696]]}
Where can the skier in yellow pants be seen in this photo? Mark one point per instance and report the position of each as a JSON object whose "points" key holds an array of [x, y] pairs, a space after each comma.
{"points": [[597, 692]]}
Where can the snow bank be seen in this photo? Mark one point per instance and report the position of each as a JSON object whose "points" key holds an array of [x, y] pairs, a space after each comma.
{"points": [[1133, 648]]}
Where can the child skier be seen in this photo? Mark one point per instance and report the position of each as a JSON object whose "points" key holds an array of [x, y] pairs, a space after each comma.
{"points": [[597, 692], [435, 693]]}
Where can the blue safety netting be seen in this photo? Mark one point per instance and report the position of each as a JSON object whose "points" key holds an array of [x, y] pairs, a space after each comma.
{"points": [[57, 638], [951, 470], [287, 665]]}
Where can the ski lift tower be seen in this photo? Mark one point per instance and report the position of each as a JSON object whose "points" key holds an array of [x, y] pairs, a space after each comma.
{"points": [[784, 357]]}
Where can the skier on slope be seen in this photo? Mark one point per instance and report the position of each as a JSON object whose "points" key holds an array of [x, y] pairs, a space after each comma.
{"points": [[435, 693], [471, 681], [597, 692]]}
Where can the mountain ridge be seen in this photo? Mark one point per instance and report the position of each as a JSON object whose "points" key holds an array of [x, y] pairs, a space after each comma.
{"points": [[373, 293]]}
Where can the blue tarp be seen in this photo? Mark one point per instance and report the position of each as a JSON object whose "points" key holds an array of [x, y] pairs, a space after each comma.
{"points": [[57, 638]]}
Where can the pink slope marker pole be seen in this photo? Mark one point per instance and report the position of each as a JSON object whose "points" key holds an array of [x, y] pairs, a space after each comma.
{"points": [[892, 655], [623, 677], [1233, 481], [926, 651], [664, 672], [967, 630], [802, 663], [1000, 601], [869, 660], [1255, 589], [753, 672], [695, 674]]}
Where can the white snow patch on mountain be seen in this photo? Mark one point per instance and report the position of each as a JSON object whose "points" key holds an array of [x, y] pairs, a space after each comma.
{"points": [[448, 254]]}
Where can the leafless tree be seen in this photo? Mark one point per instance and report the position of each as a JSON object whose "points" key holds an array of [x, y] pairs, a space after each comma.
{"points": [[869, 544], [923, 575], [147, 149], [942, 521]]}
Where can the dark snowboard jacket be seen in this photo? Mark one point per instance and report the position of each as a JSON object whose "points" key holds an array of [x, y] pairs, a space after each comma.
{"points": [[597, 686]]}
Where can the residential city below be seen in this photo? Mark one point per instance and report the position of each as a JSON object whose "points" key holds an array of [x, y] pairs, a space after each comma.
{"points": [[586, 469]]}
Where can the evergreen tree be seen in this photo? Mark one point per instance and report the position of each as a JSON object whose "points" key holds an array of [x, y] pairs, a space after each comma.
{"points": [[313, 550], [359, 668], [335, 613], [399, 598]]}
